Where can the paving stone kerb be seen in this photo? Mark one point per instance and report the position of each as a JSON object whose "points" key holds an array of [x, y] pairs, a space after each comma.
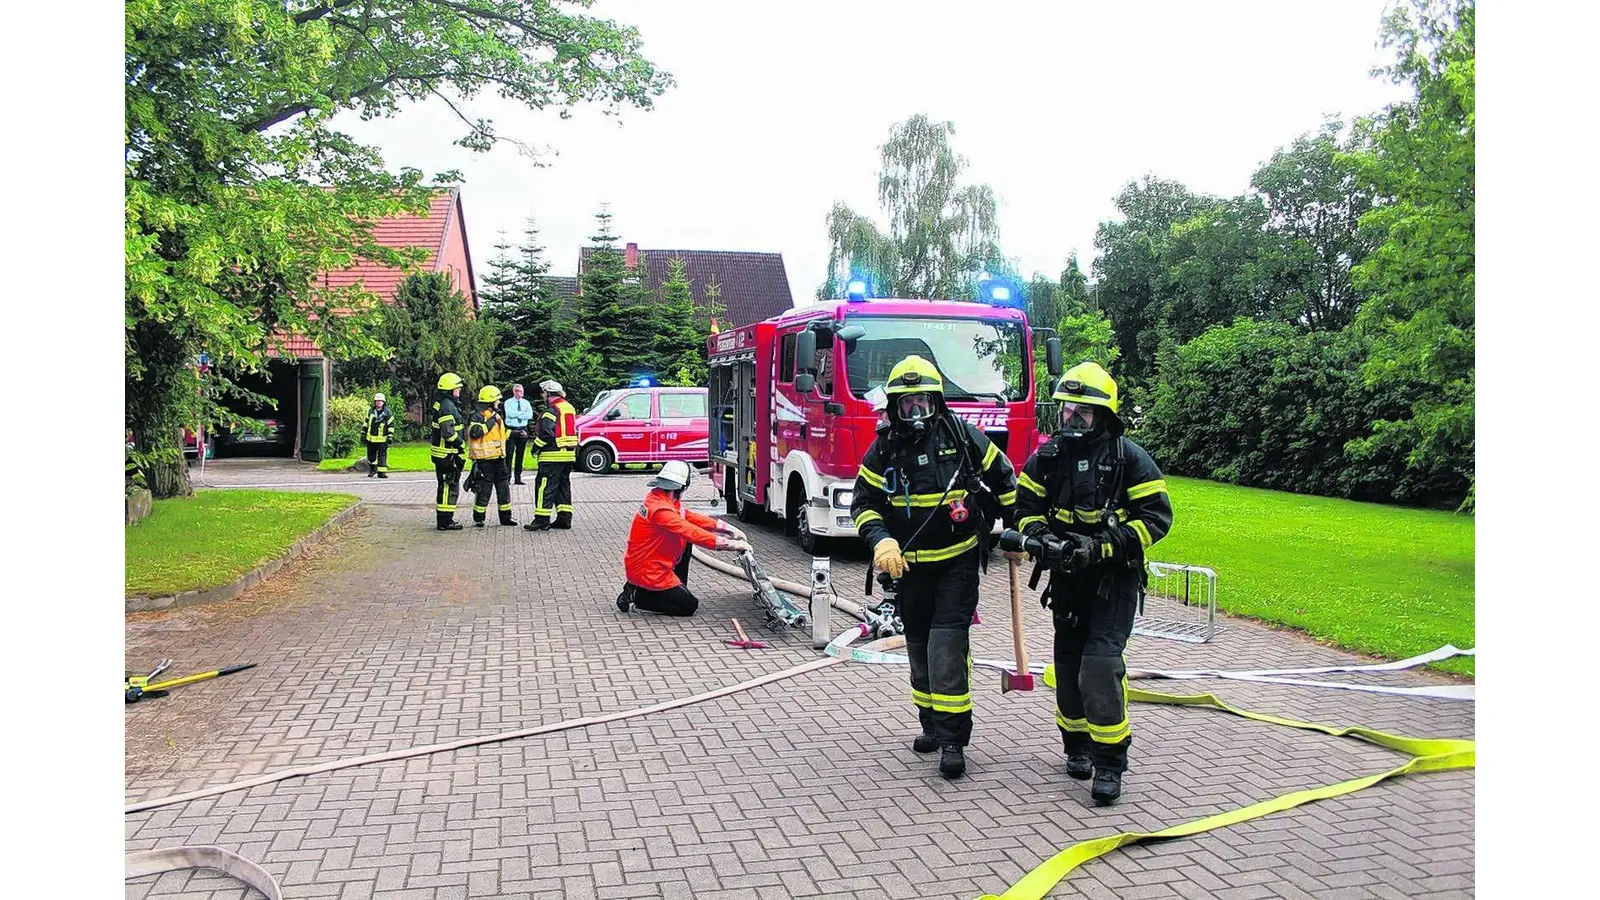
{"points": [[805, 788], [249, 579]]}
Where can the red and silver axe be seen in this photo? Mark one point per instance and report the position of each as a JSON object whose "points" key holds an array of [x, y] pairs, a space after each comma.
{"points": [[743, 642], [1021, 679]]}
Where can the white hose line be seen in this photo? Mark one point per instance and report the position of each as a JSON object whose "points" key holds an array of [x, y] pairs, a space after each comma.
{"points": [[586, 721], [176, 859], [1261, 676]]}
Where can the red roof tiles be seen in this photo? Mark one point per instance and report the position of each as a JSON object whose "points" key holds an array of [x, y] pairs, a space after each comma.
{"points": [[430, 232]]}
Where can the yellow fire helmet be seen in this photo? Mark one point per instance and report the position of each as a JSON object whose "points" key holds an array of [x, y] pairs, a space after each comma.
{"points": [[449, 381], [1088, 383], [489, 394], [913, 375]]}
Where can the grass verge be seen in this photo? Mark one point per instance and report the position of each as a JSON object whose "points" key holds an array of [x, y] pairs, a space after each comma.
{"points": [[214, 537], [402, 458], [1377, 579]]}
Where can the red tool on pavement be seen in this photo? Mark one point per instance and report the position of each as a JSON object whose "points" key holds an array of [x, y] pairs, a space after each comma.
{"points": [[975, 619], [743, 642], [1021, 679]]}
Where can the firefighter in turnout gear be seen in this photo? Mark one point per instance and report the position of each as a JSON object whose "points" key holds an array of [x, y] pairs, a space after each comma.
{"points": [[491, 470], [449, 431], [927, 493], [1099, 501], [380, 426], [556, 445]]}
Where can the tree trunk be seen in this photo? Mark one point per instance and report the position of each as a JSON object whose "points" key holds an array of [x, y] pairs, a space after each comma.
{"points": [[169, 479]]}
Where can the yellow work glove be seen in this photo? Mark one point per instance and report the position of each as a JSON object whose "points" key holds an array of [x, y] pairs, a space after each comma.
{"points": [[887, 556]]}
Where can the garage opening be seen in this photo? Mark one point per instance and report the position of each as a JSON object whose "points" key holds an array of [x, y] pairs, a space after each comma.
{"points": [[279, 425]]}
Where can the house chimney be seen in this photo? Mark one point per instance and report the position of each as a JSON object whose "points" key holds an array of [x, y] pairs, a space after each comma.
{"points": [[633, 255]]}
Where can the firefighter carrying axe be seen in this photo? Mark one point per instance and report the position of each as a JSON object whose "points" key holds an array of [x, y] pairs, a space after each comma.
{"points": [[1020, 679]]}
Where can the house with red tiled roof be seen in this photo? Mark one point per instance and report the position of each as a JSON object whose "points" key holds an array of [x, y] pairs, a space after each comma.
{"points": [[301, 387], [754, 285]]}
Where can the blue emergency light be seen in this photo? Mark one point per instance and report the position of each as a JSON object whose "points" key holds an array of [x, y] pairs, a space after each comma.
{"points": [[642, 381], [857, 290], [999, 290]]}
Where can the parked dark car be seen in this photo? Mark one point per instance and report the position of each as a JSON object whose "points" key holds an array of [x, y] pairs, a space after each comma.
{"points": [[273, 436]]}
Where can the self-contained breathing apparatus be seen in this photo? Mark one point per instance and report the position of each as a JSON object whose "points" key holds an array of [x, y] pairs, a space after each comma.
{"points": [[1074, 552]]}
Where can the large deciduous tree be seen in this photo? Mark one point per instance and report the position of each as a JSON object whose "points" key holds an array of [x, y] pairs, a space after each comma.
{"points": [[1421, 309], [1130, 272], [941, 233], [1314, 204], [240, 189]]}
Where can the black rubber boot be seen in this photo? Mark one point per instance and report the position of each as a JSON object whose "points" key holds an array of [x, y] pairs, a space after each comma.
{"points": [[477, 523], [383, 474], [1107, 787], [453, 526], [563, 521], [1079, 767], [952, 762], [371, 472], [537, 525], [925, 743], [508, 521]]}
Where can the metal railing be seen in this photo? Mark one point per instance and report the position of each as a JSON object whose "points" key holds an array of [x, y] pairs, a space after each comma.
{"points": [[1180, 604]]}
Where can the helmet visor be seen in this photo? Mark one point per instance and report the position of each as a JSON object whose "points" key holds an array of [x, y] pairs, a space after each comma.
{"points": [[1078, 416], [915, 407]]}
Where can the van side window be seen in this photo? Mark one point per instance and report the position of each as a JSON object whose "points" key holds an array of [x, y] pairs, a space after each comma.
{"points": [[683, 406], [786, 362], [635, 406]]}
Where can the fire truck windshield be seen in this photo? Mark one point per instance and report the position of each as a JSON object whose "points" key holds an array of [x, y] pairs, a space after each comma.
{"points": [[980, 359]]}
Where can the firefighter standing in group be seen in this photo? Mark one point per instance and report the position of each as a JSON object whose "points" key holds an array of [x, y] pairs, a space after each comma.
{"points": [[380, 426], [556, 446], [1103, 501], [449, 428], [660, 540], [491, 470], [928, 489]]}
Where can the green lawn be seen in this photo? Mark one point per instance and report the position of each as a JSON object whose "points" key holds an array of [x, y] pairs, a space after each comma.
{"points": [[402, 458], [1384, 580], [215, 536]]}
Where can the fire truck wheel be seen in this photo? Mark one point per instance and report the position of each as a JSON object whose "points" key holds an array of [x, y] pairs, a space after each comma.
{"points": [[596, 459]]}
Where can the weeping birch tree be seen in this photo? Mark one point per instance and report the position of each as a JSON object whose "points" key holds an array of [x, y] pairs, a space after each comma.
{"points": [[941, 233]]}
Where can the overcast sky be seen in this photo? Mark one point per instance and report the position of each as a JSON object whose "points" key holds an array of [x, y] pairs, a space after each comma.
{"points": [[779, 111]]}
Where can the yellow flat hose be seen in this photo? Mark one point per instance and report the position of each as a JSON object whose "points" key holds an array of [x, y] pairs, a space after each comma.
{"points": [[1427, 755]]}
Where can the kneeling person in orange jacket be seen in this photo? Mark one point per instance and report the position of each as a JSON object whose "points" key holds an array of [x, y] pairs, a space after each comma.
{"points": [[660, 541]]}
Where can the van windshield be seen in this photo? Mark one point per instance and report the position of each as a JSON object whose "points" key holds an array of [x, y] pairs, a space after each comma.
{"points": [[980, 359], [601, 399]]}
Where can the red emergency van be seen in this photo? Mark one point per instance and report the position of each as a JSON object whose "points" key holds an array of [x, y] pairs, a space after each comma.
{"points": [[792, 415], [643, 425]]}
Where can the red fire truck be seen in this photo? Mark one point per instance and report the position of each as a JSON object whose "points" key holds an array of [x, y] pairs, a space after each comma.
{"points": [[791, 412]]}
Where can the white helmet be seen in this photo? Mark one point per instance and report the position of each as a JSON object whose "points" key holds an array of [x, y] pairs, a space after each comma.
{"points": [[552, 387], [377, 397], [674, 476]]}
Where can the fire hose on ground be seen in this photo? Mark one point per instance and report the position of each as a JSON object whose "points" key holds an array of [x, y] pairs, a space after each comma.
{"points": [[1427, 754]]}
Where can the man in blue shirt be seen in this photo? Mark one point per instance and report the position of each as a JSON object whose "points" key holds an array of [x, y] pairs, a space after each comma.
{"points": [[519, 414]]}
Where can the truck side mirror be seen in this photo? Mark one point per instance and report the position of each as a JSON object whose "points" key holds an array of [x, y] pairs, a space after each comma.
{"points": [[850, 334], [805, 382], [1052, 356], [805, 352], [614, 413]]}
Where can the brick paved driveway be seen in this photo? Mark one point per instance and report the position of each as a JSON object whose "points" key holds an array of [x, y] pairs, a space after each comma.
{"points": [[399, 636]]}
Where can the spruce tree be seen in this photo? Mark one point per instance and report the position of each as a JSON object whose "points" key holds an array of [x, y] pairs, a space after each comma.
{"points": [[534, 324], [614, 314]]}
